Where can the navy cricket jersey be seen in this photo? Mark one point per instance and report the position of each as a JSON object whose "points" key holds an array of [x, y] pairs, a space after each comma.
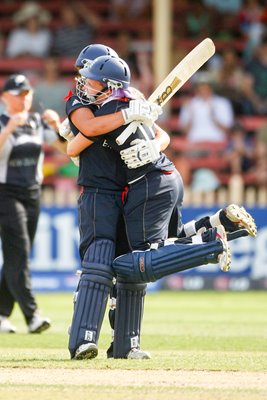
{"points": [[100, 166], [21, 157], [163, 163]]}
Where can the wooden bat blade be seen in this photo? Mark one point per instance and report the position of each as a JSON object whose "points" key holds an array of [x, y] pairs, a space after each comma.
{"points": [[175, 80], [183, 71]]}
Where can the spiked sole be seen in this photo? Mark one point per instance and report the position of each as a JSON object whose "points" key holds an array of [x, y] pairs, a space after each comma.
{"points": [[86, 351], [240, 216], [45, 325], [224, 259]]}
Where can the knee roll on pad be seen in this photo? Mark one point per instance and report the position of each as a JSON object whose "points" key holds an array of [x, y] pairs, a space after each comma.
{"points": [[128, 317], [151, 265], [90, 306], [101, 251]]}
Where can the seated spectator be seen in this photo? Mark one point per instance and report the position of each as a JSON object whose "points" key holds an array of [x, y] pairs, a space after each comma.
{"points": [[240, 150], [228, 75], [251, 25], [137, 54], [261, 156], [31, 37], [257, 68], [77, 28], [206, 116], [197, 20], [51, 88]]}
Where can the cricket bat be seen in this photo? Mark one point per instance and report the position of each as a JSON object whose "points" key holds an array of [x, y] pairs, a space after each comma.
{"points": [[175, 80]]}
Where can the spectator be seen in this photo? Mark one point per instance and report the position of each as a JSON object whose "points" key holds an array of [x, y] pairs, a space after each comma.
{"points": [[77, 29], [257, 68], [240, 150], [206, 116], [51, 89], [31, 37], [138, 59], [228, 76], [251, 25], [261, 156], [198, 21]]}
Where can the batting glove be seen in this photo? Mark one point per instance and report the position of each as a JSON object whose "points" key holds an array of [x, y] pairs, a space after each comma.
{"points": [[141, 110], [140, 153], [65, 130]]}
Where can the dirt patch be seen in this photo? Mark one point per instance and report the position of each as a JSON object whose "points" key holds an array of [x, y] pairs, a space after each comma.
{"points": [[205, 379]]}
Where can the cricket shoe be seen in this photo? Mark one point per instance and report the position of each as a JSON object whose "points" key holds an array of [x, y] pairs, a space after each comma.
{"points": [[233, 218], [224, 259], [86, 351], [38, 324], [6, 326], [137, 354]]}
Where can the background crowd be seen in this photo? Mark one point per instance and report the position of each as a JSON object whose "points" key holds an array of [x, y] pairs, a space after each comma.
{"points": [[217, 121]]}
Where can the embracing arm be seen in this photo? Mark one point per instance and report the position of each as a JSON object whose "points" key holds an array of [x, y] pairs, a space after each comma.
{"points": [[161, 137], [84, 120]]}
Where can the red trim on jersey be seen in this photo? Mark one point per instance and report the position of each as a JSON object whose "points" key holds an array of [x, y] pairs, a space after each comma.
{"points": [[68, 95]]}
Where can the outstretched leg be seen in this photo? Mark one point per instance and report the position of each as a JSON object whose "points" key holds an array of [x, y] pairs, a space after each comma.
{"points": [[160, 261]]}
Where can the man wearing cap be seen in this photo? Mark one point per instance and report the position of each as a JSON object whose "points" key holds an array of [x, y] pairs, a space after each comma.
{"points": [[22, 134]]}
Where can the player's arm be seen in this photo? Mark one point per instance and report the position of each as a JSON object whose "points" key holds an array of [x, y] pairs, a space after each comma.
{"points": [[138, 110], [161, 137]]}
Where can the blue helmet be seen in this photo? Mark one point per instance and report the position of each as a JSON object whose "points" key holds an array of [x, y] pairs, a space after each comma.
{"points": [[113, 72], [91, 52]]}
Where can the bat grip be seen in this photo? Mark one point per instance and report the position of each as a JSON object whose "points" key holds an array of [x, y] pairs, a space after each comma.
{"points": [[131, 128]]}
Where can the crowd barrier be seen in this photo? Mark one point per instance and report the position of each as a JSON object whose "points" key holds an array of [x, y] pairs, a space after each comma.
{"points": [[55, 256]]}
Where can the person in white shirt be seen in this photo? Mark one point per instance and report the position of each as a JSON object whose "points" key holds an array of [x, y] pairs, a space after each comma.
{"points": [[206, 116], [31, 36]]}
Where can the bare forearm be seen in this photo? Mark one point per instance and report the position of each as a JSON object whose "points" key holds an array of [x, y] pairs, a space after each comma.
{"points": [[96, 126], [162, 137]]}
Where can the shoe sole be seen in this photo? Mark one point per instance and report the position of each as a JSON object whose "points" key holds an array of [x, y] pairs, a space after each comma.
{"points": [[224, 259], [240, 216], [45, 325], [86, 354], [139, 356]]}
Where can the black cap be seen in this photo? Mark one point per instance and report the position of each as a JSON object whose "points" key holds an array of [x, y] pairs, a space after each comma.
{"points": [[16, 84]]}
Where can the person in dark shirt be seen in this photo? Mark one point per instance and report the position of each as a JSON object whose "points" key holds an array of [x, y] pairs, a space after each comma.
{"points": [[22, 134], [154, 190]]}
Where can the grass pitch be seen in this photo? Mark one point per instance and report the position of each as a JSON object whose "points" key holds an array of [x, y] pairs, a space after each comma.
{"points": [[205, 345]]}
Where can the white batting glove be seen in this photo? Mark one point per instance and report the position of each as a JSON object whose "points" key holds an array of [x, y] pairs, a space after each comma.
{"points": [[140, 153], [141, 110], [65, 130]]}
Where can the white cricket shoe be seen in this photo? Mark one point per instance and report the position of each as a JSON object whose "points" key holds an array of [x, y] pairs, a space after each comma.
{"points": [[137, 354], [86, 351], [38, 324], [224, 259], [6, 326], [234, 218], [241, 218]]}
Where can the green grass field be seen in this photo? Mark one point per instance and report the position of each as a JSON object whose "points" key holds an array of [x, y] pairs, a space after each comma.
{"points": [[205, 345]]}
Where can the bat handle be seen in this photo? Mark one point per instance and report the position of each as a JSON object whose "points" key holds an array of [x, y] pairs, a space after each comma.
{"points": [[131, 128]]}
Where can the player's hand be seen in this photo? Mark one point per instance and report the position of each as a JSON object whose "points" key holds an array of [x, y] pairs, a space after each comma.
{"points": [[65, 130], [16, 120], [141, 110], [140, 152]]}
